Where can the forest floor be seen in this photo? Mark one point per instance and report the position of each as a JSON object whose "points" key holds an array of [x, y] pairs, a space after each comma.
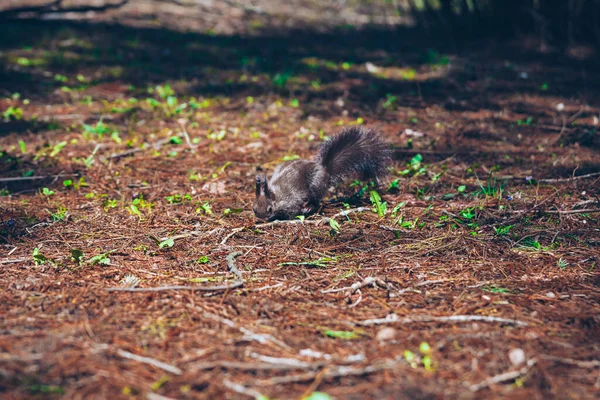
{"points": [[132, 266]]}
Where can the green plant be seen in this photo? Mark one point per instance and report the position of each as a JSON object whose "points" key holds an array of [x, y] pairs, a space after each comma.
{"points": [[178, 198], [77, 256], [281, 79], [562, 263], [525, 122], [205, 208], [415, 166], [503, 230], [38, 257], [13, 113], [60, 214], [341, 334], [47, 192], [99, 130], [379, 207], [335, 227], [390, 103], [166, 243], [100, 259], [57, 148], [203, 260]]}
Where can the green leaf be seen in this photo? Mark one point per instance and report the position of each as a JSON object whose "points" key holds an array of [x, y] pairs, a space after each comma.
{"points": [[380, 207], [318, 396], [23, 146], [335, 226], [461, 188], [38, 258], [76, 256], [100, 259], [166, 243], [203, 260], [47, 192], [341, 334]]}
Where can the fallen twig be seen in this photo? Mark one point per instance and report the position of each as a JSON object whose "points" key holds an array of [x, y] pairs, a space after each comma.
{"points": [[35, 178], [570, 361], [368, 281], [151, 361], [239, 281], [236, 387], [393, 318], [250, 335], [342, 213], [412, 288], [15, 260], [330, 372], [507, 376], [573, 178], [191, 233], [582, 211], [233, 232], [250, 366], [156, 396], [186, 136], [231, 265]]}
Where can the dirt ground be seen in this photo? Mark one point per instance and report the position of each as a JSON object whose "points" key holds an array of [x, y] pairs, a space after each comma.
{"points": [[131, 264]]}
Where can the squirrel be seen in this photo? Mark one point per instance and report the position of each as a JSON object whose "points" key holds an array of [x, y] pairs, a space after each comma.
{"points": [[297, 187]]}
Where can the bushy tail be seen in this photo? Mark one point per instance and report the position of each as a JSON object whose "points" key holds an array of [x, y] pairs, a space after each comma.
{"points": [[355, 151]]}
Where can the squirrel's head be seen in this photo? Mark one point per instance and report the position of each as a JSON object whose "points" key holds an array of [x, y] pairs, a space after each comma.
{"points": [[263, 205]]}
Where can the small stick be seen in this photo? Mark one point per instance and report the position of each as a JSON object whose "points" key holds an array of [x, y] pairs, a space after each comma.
{"points": [[34, 178], [250, 366], [582, 211], [231, 265], [507, 376], [241, 389], [156, 396], [342, 213], [188, 234], [393, 318], [573, 178], [166, 288], [334, 372], [151, 361], [16, 260], [412, 288], [233, 232], [186, 136], [570, 361], [369, 280]]}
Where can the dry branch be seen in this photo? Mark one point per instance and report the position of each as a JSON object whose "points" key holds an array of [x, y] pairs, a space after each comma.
{"points": [[239, 281], [507, 376], [56, 7], [236, 387], [324, 220], [150, 361], [573, 178], [249, 335], [330, 372], [35, 178], [578, 363], [393, 318]]}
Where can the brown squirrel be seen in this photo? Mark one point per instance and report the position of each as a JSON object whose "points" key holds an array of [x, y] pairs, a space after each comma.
{"points": [[297, 187]]}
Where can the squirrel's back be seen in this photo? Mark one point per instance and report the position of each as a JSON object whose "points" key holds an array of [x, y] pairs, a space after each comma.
{"points": [[354, 151]]}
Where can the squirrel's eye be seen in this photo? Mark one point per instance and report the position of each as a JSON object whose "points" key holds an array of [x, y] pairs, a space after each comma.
{"points": [[270, 209]]}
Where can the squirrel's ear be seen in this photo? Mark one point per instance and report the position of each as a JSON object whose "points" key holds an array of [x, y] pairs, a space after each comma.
{"points": [[265, 185], [258, 185]]}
